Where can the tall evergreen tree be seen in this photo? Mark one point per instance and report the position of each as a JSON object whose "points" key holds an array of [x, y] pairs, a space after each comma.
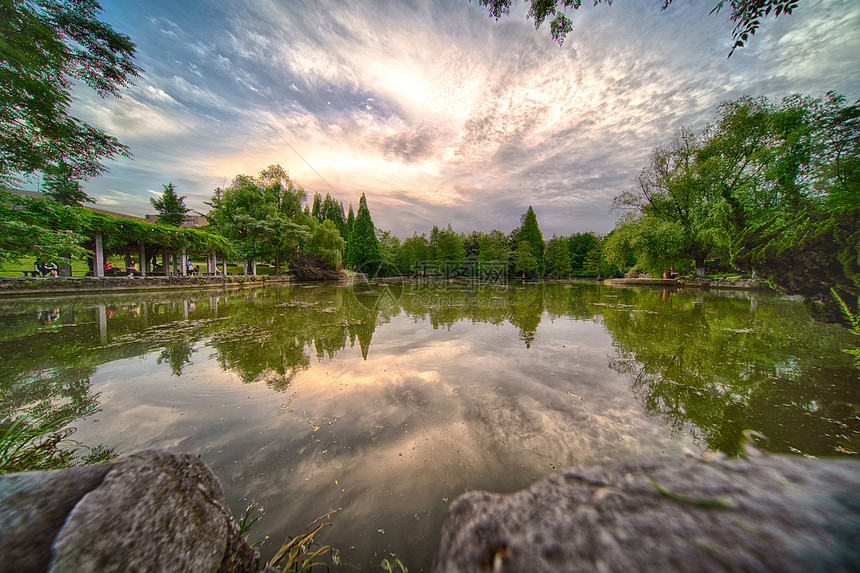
{"points": [[350, 222], [362, 248], [529, 231], [171, 207], [317, 206]]}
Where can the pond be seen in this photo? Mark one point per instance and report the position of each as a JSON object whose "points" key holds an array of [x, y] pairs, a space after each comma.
{"points": [[389, 400]]}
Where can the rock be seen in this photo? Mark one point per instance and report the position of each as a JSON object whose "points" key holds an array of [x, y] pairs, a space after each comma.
{"points": [[153, 511], [770, 513], [33, 508]]}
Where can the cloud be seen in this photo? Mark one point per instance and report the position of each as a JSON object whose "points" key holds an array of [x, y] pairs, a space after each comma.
{"points": [[441, 114]]}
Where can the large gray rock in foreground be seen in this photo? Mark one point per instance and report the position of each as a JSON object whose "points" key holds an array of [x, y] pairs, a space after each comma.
{"points": [[153, 511], [770, 513]]}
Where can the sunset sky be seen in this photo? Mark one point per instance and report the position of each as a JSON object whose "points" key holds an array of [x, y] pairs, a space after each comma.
{"points": [[437, 112]]}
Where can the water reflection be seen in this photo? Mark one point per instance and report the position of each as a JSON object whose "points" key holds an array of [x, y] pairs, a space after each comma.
{"points": [[389, 400]]}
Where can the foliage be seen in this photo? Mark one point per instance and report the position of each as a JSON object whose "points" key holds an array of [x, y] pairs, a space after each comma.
{"points": [[746, 14], [260, 215], [62, 186], [38, 227], [530, 232], [853, 322], [579, 245], [45, 47], [495, 247], [326, 243], [297, 554], [557, 257], [362, 247], [393, 566], [171, 207], [35, 444], [771, 187], [525, 261]]}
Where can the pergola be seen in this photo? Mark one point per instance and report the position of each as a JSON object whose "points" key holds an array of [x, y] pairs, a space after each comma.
{"points": [[151, 240]]}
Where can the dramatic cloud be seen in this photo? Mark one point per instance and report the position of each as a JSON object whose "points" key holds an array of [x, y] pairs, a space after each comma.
{"points": [[435, 111]]}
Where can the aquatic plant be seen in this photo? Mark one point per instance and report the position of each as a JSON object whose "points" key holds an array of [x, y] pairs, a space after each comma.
{"points": [[30, 444], [853, 322], [297, 554]]}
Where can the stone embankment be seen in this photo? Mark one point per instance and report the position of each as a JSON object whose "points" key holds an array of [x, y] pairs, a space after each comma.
{"points": [[65, 285], [162, 511]]}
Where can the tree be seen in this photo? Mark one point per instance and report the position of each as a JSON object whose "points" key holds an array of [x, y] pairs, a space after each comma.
{"points": [[170, 206], [746, 14], [46, 46], [31, 227], [529, 231], [579, 244], [61, 185], [557, 257], [524, 260], [350, 221], [326, 243], [362, 247], [668, 211]]}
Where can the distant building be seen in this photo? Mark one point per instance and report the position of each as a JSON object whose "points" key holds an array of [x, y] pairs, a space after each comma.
{"points": [[190, 220]]}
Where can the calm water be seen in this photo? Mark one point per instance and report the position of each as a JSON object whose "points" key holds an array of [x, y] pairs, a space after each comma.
{"points": [[390, 400]]}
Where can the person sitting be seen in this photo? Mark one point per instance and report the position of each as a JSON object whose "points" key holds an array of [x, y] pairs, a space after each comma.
{"points": [[51, 269], [131, 270], [109, 270], [39, 268], [196, 270]]}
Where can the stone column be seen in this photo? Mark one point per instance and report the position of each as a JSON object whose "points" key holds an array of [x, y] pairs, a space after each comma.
{"points": [[164, 261], [184, 263], [224, 267], [254, 268], [143, 262], [245, 268], [99, 259]]}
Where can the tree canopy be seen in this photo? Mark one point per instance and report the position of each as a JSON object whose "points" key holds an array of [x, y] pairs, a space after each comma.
{"points": [[46, 46], [170, 206], [746, 14]]}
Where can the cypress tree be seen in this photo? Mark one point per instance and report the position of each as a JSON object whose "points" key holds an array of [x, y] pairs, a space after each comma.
{"points": [[529, 231], [362, 249]]}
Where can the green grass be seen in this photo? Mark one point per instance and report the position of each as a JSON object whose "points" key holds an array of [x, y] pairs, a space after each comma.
{"points": [[32, 444]]}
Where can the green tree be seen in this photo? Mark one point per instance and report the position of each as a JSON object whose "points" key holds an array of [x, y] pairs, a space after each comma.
{"points": [[170, 206], [524, 260], [746, 14], [288, 197], [362, 247], [326, 243], [669, 220], [579, 245], [350, 221], [389, 249], [412, 254], [45, 47], [529, 231], [31, 227], [494, 247], [62, 186], [558, 257], [317, 207]]}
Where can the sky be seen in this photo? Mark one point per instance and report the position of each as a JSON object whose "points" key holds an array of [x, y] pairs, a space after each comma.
{"points": [[437, 112]]}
